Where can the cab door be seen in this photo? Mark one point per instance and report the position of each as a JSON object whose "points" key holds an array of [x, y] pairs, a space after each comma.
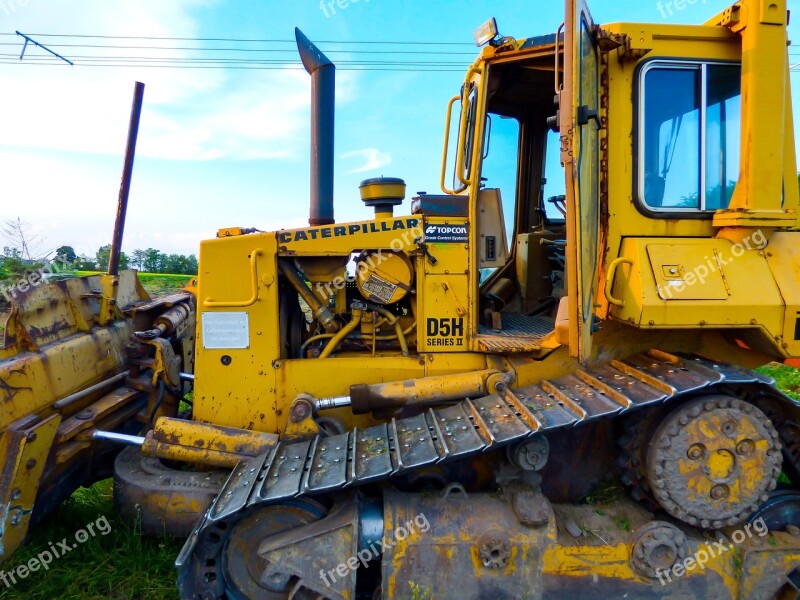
{"points": [[580, 153]]}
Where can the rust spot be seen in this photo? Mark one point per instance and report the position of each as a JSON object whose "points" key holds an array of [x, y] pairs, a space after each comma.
{"points": [[167, 438]]}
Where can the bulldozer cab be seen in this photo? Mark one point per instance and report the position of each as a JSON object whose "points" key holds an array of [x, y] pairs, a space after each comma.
{"points": [[529, 138], [562, 242]]}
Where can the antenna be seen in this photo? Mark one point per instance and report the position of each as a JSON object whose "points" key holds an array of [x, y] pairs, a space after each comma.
{"points": [[35, 43]]}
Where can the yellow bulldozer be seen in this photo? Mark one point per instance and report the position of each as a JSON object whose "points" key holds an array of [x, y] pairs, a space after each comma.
{"points": [[423, 404]]}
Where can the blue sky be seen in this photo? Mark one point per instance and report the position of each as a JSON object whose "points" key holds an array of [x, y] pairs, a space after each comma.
{"points": [[228, 147]]}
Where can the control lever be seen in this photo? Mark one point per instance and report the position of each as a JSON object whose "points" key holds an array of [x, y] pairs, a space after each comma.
{"points": [[424, 247]]}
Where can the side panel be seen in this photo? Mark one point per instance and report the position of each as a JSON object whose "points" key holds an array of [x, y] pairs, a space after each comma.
{"points": [[444, 323], [235, 385], [701, 283], [783, 258]]}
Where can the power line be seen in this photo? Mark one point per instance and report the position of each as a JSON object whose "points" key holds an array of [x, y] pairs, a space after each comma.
{"points": [[219, 57], [147, 59], [254, 40], [284, 50], [236, 67], [246, 40]]}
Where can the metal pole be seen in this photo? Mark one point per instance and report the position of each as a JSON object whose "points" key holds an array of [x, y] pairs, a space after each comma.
{"points": [[118, 438], [323, 87], [125, 184], [65, 402]]}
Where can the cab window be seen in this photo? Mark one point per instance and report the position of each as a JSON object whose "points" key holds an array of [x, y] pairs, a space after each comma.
{"points": [[500, 164], [690, 117]]}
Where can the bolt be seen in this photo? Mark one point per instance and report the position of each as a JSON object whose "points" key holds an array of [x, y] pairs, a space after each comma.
{"points": [[745, 447], [299, 411], [31, 463], [31, 436], [15, 494], [720, 492], [15, 519], [696, 452], [729, 428]]}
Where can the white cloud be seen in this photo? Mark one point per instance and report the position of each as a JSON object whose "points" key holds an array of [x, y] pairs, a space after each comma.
{"points": [[189, 114], [372, 157]]}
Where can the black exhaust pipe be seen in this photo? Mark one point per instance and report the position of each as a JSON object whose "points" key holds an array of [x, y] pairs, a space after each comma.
{"points": [[323, 88]]}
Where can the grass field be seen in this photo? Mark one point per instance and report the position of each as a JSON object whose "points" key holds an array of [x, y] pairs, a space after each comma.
{"points": [[124, 565], [156, 283], [121, 565]]}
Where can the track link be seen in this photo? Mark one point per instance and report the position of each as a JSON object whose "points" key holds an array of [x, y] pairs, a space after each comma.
{"points": [[448, 433]]}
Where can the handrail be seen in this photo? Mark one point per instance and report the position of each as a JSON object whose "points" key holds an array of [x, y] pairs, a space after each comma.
{"points": [[612, 271], [464, 128], [447, 123], [209, 303]]}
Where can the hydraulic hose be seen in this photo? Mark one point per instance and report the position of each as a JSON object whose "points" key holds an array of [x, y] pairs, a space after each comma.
{"points": [[295, 277], [392, 320], [342, 333]]}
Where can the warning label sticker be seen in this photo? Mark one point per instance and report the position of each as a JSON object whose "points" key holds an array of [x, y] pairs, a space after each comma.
{"points": [[379, 289], [223, 331]]}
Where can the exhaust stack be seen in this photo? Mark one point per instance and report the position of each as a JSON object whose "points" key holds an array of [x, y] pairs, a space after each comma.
{"points": [[323, 86]]}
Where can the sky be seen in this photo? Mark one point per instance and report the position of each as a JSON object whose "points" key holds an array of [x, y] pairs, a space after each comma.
{"points": [[230, 147]]}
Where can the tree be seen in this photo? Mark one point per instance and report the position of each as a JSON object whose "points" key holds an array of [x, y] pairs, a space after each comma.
{"points": [[191, 265], [104, 256], [137, 259], [16, 234], [84, 263], [173, 264], [66, 253], [153, 261]]}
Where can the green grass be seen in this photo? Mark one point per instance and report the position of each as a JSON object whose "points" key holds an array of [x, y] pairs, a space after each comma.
{"points": [[121, 565], [155, 283], [787, 378]]}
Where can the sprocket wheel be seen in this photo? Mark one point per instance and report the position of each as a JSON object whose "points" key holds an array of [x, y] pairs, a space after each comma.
{"points": [[639, 428], [713, 460]]}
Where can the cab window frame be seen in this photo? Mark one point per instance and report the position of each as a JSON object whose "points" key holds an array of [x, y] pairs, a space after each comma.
{"points": [[672, 212]]}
